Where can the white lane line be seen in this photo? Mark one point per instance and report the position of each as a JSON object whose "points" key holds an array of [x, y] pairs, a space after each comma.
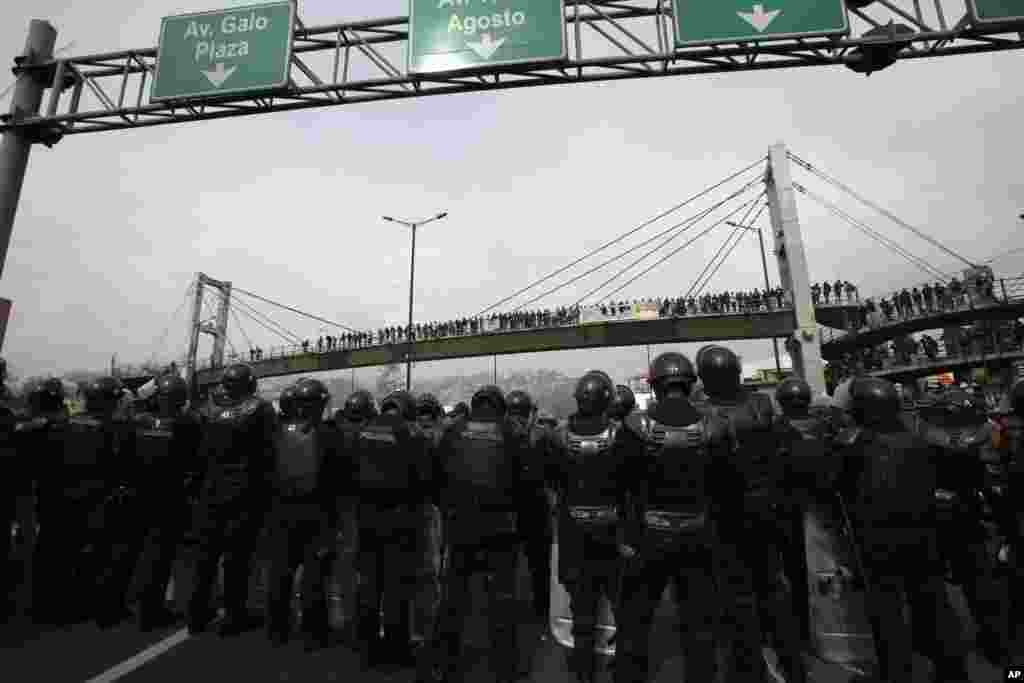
{"points": [[147, 655]]}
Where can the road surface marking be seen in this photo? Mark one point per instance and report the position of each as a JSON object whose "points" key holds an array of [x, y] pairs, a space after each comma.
{"points": [[144, 657]]}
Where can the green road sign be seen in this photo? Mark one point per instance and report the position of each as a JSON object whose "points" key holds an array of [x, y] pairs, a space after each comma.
{"points": [[995, 11], [211, 54], [706, 22], [455, 35]]}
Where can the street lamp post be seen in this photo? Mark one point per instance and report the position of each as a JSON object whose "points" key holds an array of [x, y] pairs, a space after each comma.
{"points": [[412, 277], [767, 283]]}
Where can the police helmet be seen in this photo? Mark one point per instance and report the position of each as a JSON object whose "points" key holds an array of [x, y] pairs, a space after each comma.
{"points": [[427, 405], [286, 402], [402, 402], [489, 395], [719, 370], [461, 409], [671, 367], [793, 394], [311, 396], [873, 401], [171, 391], [47, 396], [103, 392], [623, 403], [239, 381], [593, 394], [1017, 398], [547, 420], [360, 406], [519, 404]]}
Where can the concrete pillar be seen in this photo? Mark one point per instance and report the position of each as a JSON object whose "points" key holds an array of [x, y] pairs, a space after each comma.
{"points": [[804, 347], [193, 331], [221, 336]]}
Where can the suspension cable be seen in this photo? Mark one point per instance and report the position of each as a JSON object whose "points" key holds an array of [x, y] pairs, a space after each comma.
{"points": [[824, 176], [678, 229], [270, 324], [238, 324], [159, 346], [621, 237], [635, 262], [679, 249], [725, 258], [295, 310], [873, 234], [711, 261]]}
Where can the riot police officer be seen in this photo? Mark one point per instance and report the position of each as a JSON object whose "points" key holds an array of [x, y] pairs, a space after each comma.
{"points": [[99, 454], [304, 515], [803, 443], [960, 429], [478, 467], [887, 482], [237, 447], [286, 402], [670, 456], [430, 417], [40, 442], [391, 475], [535, 517], [167, 446], [590, 477], [623, 403], [1012, 452], [752, 525]]}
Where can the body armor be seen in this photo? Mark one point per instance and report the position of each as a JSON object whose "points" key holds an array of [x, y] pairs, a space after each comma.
{"points": [[237, 444], [299, 458], [387, 458]]}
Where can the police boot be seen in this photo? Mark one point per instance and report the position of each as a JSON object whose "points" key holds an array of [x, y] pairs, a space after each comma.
{"points": [[581, 660], [368, 636], [951, 670], [236, 622]]}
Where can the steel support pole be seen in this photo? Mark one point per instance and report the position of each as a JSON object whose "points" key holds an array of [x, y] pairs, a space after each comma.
{"points": [[220, 339], [409, 338], [805, 348], [16, 144]]}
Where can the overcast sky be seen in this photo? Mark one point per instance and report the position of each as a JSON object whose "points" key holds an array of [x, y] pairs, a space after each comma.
{"points": [[112, 227]]}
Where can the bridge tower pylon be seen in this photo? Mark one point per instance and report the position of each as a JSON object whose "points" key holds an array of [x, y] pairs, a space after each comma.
{"points": [[218, 328], [804, 346]]}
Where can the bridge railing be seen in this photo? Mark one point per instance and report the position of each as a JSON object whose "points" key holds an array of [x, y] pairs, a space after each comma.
{"points": [[891, 356], [874, 316], [666, 309]]}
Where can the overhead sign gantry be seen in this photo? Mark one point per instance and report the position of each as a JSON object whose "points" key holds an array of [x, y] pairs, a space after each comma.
{"points": [[995, 11]]}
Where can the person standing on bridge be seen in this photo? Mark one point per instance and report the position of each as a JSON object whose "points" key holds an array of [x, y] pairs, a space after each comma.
{"points": [[478, 482], [238, 449], [752, 522]]}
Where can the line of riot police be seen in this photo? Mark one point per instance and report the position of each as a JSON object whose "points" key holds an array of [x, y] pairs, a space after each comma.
{"points": [[707, 490]]}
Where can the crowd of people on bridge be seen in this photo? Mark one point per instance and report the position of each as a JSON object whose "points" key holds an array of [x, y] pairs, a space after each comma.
{"points": [[721, 303], [395, 508]]}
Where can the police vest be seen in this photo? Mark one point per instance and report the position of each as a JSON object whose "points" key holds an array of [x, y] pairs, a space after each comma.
{"points": [[483, 467], [89, 452], [155, 438], [384, 465], [298, 458], [676, 468], [592, 483], [804, 448], [234, 434]]}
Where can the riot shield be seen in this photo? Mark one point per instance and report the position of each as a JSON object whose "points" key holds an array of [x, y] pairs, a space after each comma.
{"points": [[840, 626]]}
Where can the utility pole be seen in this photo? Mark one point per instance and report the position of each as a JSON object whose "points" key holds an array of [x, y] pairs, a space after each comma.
{"points": [[410, 344], [494, 372], [767, 283], [16, 144]]}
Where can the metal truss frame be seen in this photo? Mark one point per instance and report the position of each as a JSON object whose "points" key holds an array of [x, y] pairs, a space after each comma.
{"points": [[608, 40]]}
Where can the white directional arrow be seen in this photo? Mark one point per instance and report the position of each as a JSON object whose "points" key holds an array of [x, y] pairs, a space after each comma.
{"points": [[486, 47], [759, 19], [219, 74]]}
